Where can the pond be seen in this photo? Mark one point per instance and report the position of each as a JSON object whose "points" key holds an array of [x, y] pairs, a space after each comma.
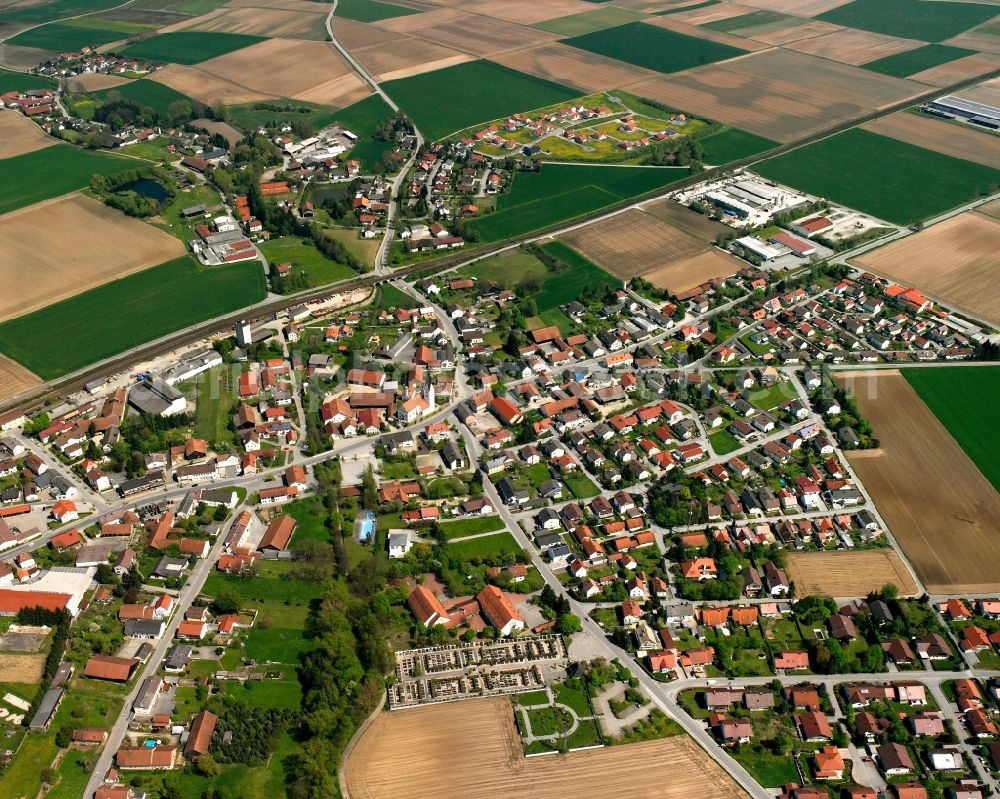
{"points": [[147, 188]]}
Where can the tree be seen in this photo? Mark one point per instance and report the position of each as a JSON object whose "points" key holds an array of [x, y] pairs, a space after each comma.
{"points": [[207, 766], [568, 624], [64, 737], [369, 491], [225, 602]]}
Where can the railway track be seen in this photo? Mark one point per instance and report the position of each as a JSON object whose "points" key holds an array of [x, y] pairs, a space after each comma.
{"points": [[34, 399]]}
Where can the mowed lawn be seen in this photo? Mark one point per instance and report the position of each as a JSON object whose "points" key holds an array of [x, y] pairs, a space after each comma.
{"points": [[890, 179], [901, 65], [370, 10], [47, 173], [964, 400], [148, 93], [488, 546], [454, 98], [189, 47], [270, 584], [125, 313], [303, 253], [567, 285], [560, 192], [732, 144], [911, 19], [653, 48]]}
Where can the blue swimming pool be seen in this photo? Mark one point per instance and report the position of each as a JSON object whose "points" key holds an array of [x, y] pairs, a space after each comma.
{"points": [[367, 527]]}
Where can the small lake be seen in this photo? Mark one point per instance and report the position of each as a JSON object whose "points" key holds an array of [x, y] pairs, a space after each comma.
{"points": [[147, 188]]}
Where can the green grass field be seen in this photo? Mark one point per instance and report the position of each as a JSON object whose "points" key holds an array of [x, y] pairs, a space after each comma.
{"points": [[589, 21], [76, 33], [507, 269], [477, 91], [286, 692], [560, 192], [912, 19], [37, 176], [740, 22], [148, 93], [911, 62], [58, 9], [569, 284], [653, 48], [732, 144], [489, 546], [472, 526], [189, 47], [215, 405], [769, 770], [310, 516], [271, 584], [964, 400], [112, 318], [303, 253], [371, 10], [18, 81], [912, 183], [581, 486]]}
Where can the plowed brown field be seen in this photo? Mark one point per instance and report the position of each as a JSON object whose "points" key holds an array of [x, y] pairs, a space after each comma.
{"points": [[94, 82], [14, 378], [956, 261], [273, 22], [679, 26], [405, 57], [19, 135], [774, 78], [571, 66], [959, 69], [471, 750], [844, 573], [691, 222], [854, 47], [635, 243], [942, 511], [794, 32], [470, 33], [958, 140], [804, 8], [524, 12], [89, 244]]}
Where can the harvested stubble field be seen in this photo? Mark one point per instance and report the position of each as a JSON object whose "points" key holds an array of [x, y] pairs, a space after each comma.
{"points": [[854, 47], [94, 82], [472, 749], [407, 57], [273, 22], [272, 68], [94, 244], [570, 66], [356, 35], [524, 12], [958, 140], [959, 69], [941, 510], [704, 14], [18, 135], [796, 30], [20, 668], [956, 261], [849, 573], [470, 33], [636, 244], [15, 379], [804, 8], [781, 111]]}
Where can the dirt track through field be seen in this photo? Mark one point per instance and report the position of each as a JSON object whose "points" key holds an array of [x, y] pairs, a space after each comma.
{"points": [[781, 110], [635, 243], [90, 244], [849, 573], [15, 379], [961, 141], [956, 261], [471, 750], [942, 511], [19, 135]]}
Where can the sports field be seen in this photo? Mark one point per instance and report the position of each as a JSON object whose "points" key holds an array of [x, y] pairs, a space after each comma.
{"points": [[732, 144], [148, 93], [941, 509], [110, 319], [371, 10], [566, 286], [914, 19], [902, 65], [840, 168], [845, 573], [32, 177], [477, 91], [964, 400], [472, 749], [560, 192], [653, 47], [189, 47]]}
